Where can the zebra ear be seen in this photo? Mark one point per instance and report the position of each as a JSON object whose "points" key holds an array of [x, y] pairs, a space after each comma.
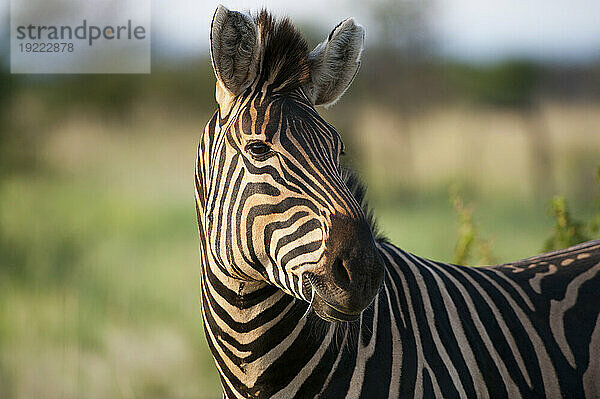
{"points": [[334, 63], [234, 51]]}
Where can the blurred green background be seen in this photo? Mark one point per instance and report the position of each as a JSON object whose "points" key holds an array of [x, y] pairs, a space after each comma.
{"points": [[99, 265]]}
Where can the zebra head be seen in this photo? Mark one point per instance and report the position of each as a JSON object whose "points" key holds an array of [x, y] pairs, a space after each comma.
{"points": [[273, 206]]}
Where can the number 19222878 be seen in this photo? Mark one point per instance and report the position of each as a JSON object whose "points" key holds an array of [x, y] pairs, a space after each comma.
{"points": [[46, 47]]}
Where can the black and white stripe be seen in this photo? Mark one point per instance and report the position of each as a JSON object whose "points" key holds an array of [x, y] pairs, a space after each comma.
{"points": [[274, 225]]}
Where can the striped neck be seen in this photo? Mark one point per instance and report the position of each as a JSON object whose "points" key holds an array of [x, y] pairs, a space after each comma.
{"points": [[267, 343], [261, 338]]}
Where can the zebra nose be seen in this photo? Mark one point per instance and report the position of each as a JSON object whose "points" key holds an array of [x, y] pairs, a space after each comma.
{"points": [[341, 273], [354, 271]]}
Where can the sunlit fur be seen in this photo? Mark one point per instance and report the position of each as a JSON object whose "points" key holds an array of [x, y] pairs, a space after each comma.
{"points": [[522, 330]]}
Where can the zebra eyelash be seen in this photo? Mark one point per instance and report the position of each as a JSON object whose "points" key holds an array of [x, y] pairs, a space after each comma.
{"points": [[259, 150]]}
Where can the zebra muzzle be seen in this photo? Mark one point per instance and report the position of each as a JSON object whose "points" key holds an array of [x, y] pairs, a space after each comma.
{"points": [[329, 312], [352, 274]]}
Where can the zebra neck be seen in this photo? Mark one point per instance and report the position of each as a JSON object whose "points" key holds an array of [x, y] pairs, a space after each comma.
{"points": [[261, 338], [267, 343]]}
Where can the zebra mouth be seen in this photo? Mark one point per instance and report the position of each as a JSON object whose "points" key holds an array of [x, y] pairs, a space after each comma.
{"points": [[330, 313]]}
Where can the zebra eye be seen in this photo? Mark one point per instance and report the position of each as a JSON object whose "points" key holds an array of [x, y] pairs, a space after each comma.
{"points": [[258, 149]]}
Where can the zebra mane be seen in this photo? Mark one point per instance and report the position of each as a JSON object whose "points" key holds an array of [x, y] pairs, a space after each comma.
{"points": [[359, 190], [285, 53]]}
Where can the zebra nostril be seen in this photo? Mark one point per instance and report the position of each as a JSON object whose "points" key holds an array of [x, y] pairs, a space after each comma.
{"points": [[340, 274]]}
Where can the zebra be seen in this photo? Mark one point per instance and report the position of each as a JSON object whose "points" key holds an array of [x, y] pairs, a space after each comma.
{"points": [[303, 298]]}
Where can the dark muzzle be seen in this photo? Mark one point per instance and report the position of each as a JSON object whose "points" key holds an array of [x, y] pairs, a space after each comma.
{"points": [[353, 271]]}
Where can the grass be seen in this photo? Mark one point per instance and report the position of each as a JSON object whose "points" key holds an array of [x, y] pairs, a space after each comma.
{"points": [[429, 227], [99, 269], [94, 279]]}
